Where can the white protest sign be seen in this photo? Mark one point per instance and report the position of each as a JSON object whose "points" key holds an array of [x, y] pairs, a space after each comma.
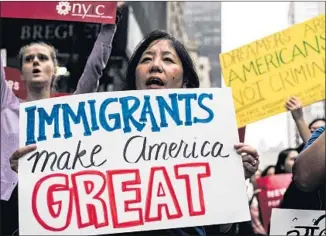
{"points": [[297, 222], [130, 161]]}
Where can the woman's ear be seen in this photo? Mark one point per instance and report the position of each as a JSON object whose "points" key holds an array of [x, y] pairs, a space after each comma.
{"points": [[56, 69]]}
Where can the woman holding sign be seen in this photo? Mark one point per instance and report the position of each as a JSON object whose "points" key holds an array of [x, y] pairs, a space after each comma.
{"points": [[162, 62], [38, 66]]}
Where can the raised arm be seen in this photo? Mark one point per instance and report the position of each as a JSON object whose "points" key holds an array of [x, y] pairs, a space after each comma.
{"points": [[309, 169], [294, 105], [97, 61], [7, 95]]}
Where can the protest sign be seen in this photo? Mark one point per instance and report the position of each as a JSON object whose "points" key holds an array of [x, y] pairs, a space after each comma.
{"points": [[297, 222], [91, 11], [15, 83], [265, 73], [272, 191], [130, 161]]}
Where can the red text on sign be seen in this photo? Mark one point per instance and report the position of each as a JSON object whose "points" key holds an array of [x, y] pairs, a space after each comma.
{"points": [[114, 198]]}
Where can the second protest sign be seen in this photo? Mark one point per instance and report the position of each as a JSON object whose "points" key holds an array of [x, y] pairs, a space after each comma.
{"points": [[263, 74]]}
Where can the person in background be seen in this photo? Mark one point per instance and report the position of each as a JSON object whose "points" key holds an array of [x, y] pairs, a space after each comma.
{"points": [[309, 172], [256, 220], [300, 147], [307, 189], [38, 67], [285, 161], [250, 228], [315, 135], [252, 184], [161, 62], [294, 105], [268, 171]]}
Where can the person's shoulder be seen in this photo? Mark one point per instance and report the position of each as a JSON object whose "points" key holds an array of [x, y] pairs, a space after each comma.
{"points": [[315, 135], [322, 129], [318, 132]]}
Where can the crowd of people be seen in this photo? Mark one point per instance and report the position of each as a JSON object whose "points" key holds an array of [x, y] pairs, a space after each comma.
{"points": [[307, 164], [160, 61]]}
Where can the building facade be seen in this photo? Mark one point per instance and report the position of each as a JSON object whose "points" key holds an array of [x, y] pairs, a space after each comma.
{"points": [[175, 21], [150, 15], [300, 12], [203, 24], [202, 64]]}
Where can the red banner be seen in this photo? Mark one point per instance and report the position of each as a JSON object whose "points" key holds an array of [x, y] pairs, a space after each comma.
{"points": [[272, 191], [15, 83], [96, 12], [58, 94]]}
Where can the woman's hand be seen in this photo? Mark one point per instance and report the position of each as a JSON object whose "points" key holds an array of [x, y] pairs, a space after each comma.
{"points": [[18, 154], [258, 190], [294, 105], [250, 158]]}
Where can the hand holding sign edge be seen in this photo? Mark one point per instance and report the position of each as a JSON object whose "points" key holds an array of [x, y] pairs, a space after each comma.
{"points": [[20, 152], [250, 158]]}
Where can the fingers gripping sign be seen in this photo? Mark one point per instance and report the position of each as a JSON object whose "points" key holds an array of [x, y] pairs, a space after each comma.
{"points": [[250, 158], [21, 152]]}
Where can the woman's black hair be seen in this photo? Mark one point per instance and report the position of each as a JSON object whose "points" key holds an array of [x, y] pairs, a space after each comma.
{"points": [[190, 77], [279, 168], [264, 173], [316, 120], [300, 147]]}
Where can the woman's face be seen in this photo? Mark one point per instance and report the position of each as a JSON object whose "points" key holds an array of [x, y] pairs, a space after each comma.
{"points": [[316, 125], [37, 65], [159, 67], [289, 161], [270, 171]]}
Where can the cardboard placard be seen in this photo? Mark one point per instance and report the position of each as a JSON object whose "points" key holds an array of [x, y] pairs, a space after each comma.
{"points": [[130, 161], [297, 222], [272, 191], [263, 74]]}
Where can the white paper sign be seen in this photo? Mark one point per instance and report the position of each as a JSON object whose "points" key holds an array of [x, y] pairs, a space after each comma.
{"points": [[297, 222], [130, 161]]}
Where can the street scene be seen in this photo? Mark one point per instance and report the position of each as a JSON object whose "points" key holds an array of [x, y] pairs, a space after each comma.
{"points": [[162, 118]]}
